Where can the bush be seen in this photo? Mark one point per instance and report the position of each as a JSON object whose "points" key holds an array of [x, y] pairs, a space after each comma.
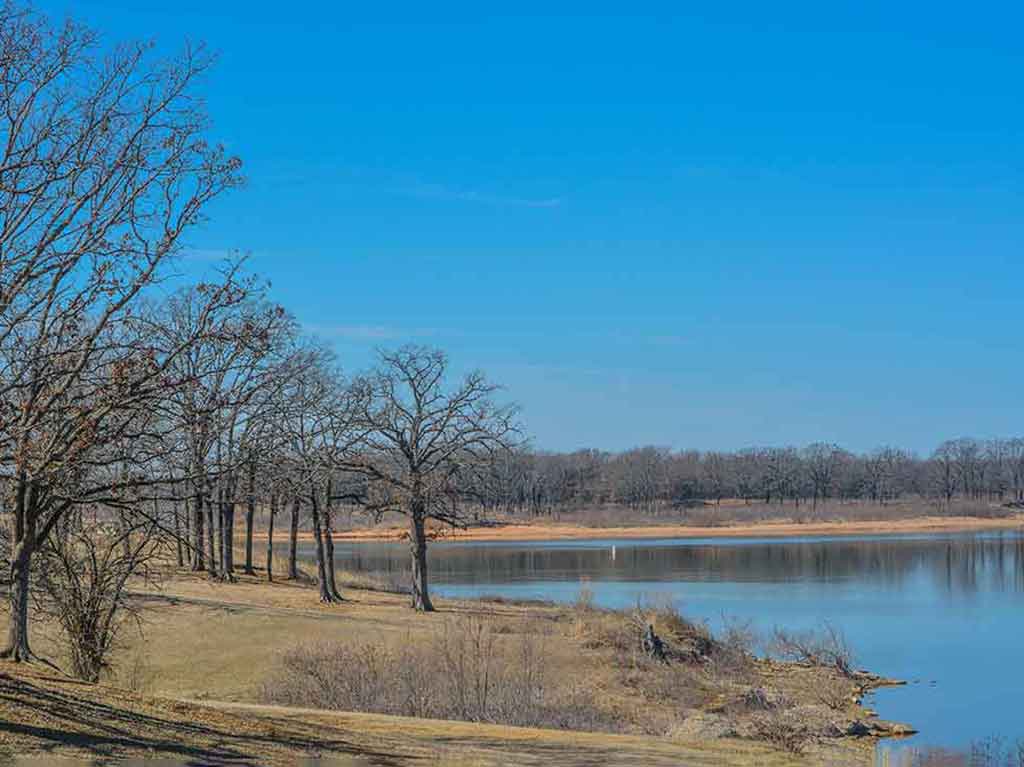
{"points": [[736, 647], [83, 574], [826, 646], [834, 693], [461, 672], [783, 730]]}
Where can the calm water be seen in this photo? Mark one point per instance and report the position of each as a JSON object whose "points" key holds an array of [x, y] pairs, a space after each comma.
{"points": [[945, 612]]}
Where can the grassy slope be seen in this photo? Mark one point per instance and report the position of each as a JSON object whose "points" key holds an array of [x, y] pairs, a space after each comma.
{"points": [[205, 653], [44, 714]]}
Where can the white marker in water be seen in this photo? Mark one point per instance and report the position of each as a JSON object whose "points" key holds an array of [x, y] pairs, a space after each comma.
{"points": [[613, 553]]}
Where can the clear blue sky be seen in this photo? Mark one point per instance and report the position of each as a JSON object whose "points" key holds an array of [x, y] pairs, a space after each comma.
{"points": [[713, 225]]}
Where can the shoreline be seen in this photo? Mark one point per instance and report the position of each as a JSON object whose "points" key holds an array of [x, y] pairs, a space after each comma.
{"points": [[544, 532]]}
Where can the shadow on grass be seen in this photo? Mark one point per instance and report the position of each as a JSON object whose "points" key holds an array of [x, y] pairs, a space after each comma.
{"points": [[107, 732]]}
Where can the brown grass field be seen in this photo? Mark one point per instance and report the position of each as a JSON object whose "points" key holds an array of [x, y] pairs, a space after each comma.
{"points": [[49, 719]]}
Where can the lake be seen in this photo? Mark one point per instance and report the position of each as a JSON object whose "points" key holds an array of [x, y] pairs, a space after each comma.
{"points": [[944, 611]]}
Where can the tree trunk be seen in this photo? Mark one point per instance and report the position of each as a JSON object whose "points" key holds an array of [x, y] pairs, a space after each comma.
{"points": [[222, 516], [321, 565], [187, 517], [23, 542], [177, 530], [227, 532], [198, 534], [229, 540], [270, 539], [418, 546], [17, 634], [332, 585], [250, 515], [293, 541], [211, 535]]}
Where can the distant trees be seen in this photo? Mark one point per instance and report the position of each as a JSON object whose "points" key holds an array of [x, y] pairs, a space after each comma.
{"points": [[653, 480], [640, 477], [821, 464], [1013, 463]]}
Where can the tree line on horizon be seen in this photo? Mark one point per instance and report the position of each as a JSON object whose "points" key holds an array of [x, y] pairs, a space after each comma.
{"points": [[652, 479]]}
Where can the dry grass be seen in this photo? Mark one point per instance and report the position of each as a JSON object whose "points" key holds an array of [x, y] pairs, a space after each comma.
{"points": [[713, 523], [219, 641], [470, 670], [51, 718]]}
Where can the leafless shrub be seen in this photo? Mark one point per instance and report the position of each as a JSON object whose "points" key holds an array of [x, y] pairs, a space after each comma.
{"points": [[782, 730], [735, 649], [834, 692], [598, 628], [739, 635], [467, 655], [584, 599], [84, 578], [826, 646], [462, 672]]}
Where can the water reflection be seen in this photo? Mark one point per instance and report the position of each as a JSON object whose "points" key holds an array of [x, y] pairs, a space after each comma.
{"points": [[956, 565]]}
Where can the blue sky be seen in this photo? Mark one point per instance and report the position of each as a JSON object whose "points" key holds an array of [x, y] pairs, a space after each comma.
{"points": [[701, 225]]}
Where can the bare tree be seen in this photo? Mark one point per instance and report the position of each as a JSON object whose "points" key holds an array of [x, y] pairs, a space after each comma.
{"points": [[103, 168], [1015, 459], [716, 467], [822, 463], [945, 471], [642, 476], [422, 438], [321, 433], [219, 408], [969, 465]]}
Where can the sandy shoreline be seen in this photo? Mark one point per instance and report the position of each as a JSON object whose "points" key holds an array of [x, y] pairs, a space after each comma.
{"points": [[559, 532]]}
